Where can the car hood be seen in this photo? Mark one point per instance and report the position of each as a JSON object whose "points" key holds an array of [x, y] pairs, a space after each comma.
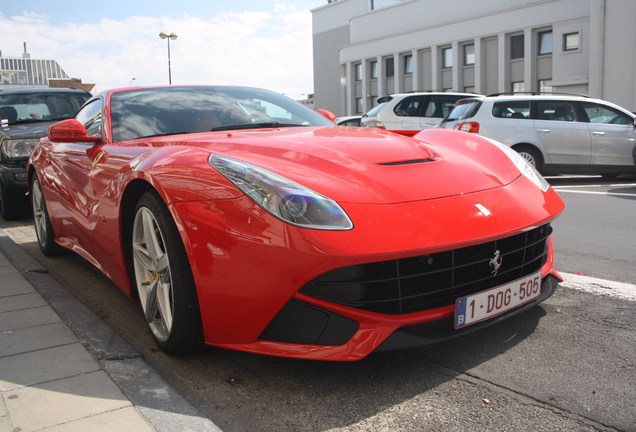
{"points": [[369, 166], [27, 130]]}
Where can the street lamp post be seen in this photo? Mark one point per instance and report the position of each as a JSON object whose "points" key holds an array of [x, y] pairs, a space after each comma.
{"points": [[172, 36]]}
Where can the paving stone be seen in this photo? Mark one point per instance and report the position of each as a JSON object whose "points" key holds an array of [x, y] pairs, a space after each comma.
{"points": [[21, 301], [125, 419], [35, 338], [21, 319], [62, 401], [13, 283], [45, 365]]}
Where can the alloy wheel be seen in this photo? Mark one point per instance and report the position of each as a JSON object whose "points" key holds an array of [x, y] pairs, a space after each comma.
{"points": [[152, 273], [39, 212]]}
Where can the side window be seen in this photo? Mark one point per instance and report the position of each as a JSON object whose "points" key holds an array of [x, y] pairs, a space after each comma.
{"points": [[440, 106], [556, 111], [409, 107], [597, 113], [511, 109], [91, 117]]}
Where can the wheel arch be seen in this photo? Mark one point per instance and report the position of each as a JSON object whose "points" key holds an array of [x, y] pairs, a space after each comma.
{"points": [[533, 148], [130, 197]]}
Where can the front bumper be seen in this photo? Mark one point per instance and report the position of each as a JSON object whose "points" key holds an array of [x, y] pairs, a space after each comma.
{"points": [[441, 330], [14, 178]]}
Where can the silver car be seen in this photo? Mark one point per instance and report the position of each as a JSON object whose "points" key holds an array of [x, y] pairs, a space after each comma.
{"points": [[557, 134]]}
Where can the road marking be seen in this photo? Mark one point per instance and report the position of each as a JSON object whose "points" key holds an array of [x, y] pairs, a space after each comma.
{"points": [[606, 288], [596, 185], [596, 193]]}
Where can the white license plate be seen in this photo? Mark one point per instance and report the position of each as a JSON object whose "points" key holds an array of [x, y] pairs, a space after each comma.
{"points": [[490, 303]]}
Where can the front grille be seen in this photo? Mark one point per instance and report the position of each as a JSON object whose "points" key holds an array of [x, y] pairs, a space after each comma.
{"points": [[430, 281]]}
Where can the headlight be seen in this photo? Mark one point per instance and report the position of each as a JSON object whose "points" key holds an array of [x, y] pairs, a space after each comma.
{"points": [[283, 198], [523, 166], [18, 148]]}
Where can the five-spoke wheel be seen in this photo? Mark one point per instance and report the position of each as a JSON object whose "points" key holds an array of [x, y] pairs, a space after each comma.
{"points": [[163, 278]]}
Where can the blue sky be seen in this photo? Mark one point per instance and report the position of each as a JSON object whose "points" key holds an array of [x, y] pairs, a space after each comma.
{"points": [[254, 42]]}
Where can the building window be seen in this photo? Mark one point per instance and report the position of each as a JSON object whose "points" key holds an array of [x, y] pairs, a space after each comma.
{"points": [[408, 64], [516, 47], [447, 58], [469, 55], [359, 105], [518, 87], [571, 41], [544, 87], [545, 43], [389, 67], [373, 70], [358, 71]]}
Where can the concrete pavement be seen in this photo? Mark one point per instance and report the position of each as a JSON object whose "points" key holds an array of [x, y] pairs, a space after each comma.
{"points": [[62, 369]]}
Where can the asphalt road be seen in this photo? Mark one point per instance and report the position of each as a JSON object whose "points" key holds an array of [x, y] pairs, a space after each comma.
{"points": [[596, 234], [568, 365]]}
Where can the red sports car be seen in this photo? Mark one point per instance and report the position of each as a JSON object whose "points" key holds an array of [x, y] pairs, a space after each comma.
{"points": [[244, 220]]}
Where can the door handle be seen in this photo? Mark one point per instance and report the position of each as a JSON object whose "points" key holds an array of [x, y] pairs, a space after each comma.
{"points": [[598, 133], [544, 130]]}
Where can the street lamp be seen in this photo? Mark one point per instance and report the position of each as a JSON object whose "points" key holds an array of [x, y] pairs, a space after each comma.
{"points": [[172, 36], [131, 80]]}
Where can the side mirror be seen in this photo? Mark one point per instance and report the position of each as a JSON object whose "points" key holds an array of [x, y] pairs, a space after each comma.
{"points": [[70, 131], [327, 114]]}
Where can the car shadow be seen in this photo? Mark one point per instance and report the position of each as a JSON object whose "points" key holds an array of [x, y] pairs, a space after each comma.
{"points": [[628, 192], [348, 393]]}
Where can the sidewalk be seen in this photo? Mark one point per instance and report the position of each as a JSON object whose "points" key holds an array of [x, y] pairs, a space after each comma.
{"points": [[61, 380]]}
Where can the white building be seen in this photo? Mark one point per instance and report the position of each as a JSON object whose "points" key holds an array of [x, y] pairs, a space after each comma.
{"points": [[19, 71], [364, 49]]}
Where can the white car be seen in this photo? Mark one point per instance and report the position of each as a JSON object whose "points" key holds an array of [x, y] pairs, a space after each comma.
{"points": [[409, 113], [348, 121], [557, 134]]}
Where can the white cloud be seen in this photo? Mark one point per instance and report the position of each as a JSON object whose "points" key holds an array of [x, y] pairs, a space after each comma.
{"points": [[264, 49]]}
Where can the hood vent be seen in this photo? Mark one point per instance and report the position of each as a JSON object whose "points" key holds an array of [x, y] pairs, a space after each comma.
{"points": [[406, 162]]}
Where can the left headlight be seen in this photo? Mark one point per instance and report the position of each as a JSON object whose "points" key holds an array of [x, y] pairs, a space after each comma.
{"points": [[18, 148], [523, 166], [283, 198]]}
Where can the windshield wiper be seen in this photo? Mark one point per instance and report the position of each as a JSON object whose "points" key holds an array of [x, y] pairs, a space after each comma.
{"points": [[29, 120], [252, 126]]}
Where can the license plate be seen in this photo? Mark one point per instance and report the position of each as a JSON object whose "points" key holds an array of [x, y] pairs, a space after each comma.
{"points": [[484, 305]]}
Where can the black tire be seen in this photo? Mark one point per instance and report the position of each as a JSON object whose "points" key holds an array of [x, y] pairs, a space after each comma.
{"points": [[532, 155], [162, 275], [12, 205], [42, 222]]}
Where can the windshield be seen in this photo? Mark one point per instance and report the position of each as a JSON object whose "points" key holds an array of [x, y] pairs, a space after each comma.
{"points": [[177, 110], [463, 110], [37, 107]]}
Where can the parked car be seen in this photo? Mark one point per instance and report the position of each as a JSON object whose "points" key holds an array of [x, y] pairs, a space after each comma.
{"points": [[409, 113], [557, 134], [348, 121], [244, 220], [25, 115]]}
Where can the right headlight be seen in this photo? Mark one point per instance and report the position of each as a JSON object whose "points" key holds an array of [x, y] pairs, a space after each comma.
{"points": [[287, 200], [523, 166], [19, 148]]}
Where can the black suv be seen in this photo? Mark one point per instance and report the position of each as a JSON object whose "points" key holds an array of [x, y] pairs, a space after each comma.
{"points": [[25, 115]]}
